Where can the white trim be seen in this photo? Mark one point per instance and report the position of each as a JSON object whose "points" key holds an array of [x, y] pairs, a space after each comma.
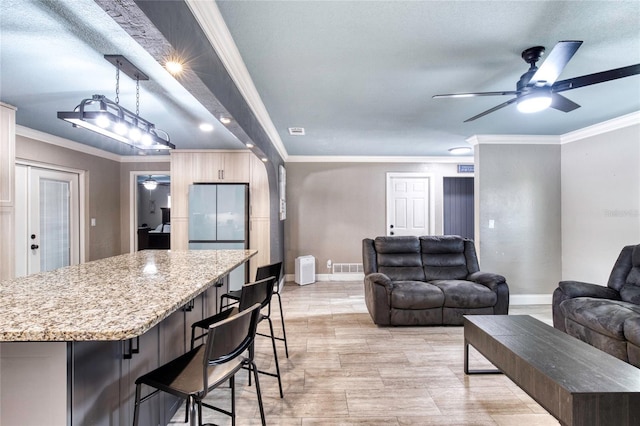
{"points": [[86, 149], [329, 277], [82, 177], [513, 139], [212, 23], [530, 299], [64, 143], [580, 134], [604, 127], [377, 159]]}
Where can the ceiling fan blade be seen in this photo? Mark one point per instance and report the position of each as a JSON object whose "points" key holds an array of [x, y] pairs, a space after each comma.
{"points": [[553, 65], [599, 77], [563, 104], [473, 94], [489, 111]]}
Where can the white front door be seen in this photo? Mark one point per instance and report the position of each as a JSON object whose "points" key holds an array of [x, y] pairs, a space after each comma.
{"points": [[47, 219], [408, 204]]}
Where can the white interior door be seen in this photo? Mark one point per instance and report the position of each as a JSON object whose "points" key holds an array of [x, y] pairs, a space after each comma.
{"points": [[47, 219], [408, 204]]}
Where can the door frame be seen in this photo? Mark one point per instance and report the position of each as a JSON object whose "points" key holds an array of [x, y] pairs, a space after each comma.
{"points": [[432, 206], [133, 203], [82, 176]]}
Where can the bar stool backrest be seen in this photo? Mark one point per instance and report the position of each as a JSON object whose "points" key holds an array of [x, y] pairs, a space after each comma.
{"points": [[229, 338], [266, 271], [257, 292]]}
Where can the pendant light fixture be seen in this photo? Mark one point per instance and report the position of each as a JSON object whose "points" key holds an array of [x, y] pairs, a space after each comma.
{"points": [[150, 183], [108, 118]]}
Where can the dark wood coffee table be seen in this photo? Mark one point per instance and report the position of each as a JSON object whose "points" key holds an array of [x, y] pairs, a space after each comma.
{"points": [[577, 383]]}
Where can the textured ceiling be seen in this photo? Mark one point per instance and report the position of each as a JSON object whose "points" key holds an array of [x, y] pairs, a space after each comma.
{"points": [[357, 75]]}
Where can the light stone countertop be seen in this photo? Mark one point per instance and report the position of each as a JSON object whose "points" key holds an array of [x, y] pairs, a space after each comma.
{"points": [[116, 298]]}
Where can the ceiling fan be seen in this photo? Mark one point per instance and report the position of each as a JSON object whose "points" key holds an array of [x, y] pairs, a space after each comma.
{"points": [[538, 89]]}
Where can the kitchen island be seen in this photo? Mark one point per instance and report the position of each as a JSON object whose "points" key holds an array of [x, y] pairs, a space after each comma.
{"points": [[75, 339]]}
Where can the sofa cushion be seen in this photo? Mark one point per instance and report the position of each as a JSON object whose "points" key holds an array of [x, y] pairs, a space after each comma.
{"points": [[632, 330], [415, 295], [399, 258], [443, 257], [603, 316], [465, 294]]}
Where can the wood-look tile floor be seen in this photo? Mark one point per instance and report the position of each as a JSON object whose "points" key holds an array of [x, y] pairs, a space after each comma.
{"points": [[344, 370]]}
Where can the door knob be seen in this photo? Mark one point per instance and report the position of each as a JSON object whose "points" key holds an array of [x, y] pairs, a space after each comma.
{"points": [[34, 246], [391, 233], [391, 226]]}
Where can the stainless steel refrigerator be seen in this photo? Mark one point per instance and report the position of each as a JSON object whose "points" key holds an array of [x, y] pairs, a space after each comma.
{"points": [[219, 219]]}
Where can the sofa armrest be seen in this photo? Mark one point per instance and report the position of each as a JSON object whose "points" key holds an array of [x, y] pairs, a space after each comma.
{"points": [[377, 296], [572, 289], [487, 279]]}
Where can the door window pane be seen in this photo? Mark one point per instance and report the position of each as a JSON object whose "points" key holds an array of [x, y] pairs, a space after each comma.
{"points": [[54, 224]]}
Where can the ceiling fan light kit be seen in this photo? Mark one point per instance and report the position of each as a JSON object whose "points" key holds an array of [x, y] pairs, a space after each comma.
{"points": [[538, 89], [108, 118]]}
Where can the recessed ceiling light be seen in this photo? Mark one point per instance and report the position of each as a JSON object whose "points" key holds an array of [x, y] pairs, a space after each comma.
{"points": [[249, 145], [460, 150], [206, 127], [174, 67], [225, 120], [264, 159], [296, 131]]}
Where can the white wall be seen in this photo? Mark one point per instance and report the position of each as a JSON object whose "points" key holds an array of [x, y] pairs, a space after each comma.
{"points": [[600, 202]]}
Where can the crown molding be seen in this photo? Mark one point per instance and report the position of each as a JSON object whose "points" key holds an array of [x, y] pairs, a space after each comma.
{"points": [[86, 149], [600, 128], [215, 28], [513, 139], [380, 159]]}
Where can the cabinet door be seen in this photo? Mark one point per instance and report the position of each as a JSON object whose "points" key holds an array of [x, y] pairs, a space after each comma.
{"points": [[96, 379], [146, 360], [259, 240], [259, 188], [236, 167]]}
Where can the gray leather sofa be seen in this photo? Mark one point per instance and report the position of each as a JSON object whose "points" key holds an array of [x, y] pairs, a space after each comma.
{"points": [[605, 317], [428, 280]]}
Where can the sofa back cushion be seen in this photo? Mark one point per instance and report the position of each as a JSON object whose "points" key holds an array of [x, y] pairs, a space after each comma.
{"points": [[443, 257], [630, 291], [399, 258]]}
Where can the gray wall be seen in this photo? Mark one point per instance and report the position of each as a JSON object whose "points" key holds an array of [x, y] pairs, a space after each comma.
{"points": [[518, 187], [331, 207], [600, 202], [102, 192]]}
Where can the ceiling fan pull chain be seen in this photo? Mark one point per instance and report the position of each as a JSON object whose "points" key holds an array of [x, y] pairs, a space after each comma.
{"points": [[117, 82], [137, 95]]}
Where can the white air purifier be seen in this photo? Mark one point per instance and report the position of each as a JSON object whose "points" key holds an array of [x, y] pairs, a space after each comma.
{"points": [[305, 270]]}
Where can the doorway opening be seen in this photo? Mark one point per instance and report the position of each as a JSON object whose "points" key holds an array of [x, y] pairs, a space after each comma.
{"points": [[150, 211], [458, 208]]}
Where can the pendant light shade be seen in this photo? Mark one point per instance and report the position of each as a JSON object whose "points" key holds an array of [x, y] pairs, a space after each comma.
{"points": [[150, 183]]}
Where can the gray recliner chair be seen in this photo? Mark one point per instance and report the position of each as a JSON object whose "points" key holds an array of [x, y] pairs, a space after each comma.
{"points": [[607, 317], [428, 280]]}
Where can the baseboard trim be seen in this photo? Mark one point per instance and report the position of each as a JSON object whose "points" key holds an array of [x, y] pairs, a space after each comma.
{"points": [[330, 277], [530, 299]]}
